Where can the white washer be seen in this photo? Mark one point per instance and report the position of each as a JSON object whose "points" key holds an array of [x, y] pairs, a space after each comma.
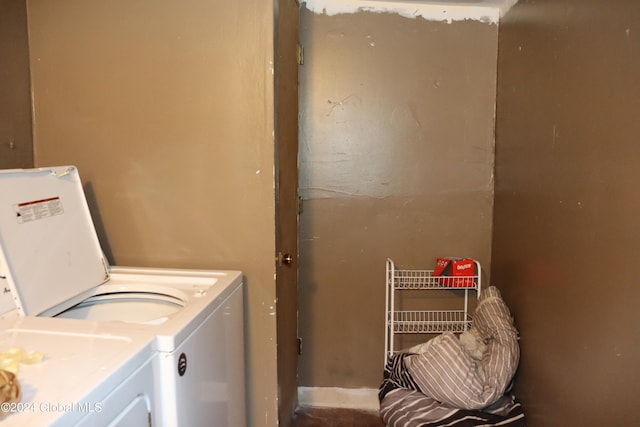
{"points": [[54, 267], [88, 375]]}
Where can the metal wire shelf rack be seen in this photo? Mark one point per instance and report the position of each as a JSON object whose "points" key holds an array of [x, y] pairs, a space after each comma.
{"points": [[425, 321]]}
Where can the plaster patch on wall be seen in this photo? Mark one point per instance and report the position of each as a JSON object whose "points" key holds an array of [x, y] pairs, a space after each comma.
{"points": [[480, 10]]}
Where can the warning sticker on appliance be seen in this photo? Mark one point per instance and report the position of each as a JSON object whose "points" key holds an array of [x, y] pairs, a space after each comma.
{"points": [[38, 209]]}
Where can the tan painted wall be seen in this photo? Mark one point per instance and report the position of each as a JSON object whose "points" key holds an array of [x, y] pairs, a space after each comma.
{"points": [[167, 109], [566, 206], [16, 149], [396, 160]]}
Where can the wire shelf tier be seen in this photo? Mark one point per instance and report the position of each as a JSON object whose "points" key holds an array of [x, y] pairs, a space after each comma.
{"points": [[431, 321], [424, 280]]}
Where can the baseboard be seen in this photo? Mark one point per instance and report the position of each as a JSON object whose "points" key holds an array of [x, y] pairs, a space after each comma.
{"points": [[365, 399]]}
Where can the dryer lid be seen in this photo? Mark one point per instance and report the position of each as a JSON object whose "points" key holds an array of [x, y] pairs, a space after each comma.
{"points": [[48, 243]]}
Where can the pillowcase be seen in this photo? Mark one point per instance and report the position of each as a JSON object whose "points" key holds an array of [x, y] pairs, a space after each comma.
{"points": [[446, 371]]}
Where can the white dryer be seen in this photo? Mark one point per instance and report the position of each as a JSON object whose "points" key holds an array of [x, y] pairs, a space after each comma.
{"points": [[87, 377], [53, 265]]}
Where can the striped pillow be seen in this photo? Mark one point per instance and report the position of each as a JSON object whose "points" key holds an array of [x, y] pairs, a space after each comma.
{"points": [[448, 373]]}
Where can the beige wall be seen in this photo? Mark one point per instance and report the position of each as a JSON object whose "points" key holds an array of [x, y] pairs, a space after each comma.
{"points": [[396, 160], [16, 148], [566, 206], [167, 109]]}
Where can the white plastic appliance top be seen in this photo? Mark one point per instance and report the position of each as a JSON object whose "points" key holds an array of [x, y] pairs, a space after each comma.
{"points": [[83, 362], [49, 248]]}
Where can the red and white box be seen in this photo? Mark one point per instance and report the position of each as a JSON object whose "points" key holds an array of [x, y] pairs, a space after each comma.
{"points": [[456, 272]]}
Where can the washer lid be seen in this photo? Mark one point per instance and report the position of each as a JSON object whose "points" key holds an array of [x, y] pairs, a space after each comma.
{"points": [[48, 244]]}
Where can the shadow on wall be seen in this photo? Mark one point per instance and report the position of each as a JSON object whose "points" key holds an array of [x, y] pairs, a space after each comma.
{"points": [[98, 222]]}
